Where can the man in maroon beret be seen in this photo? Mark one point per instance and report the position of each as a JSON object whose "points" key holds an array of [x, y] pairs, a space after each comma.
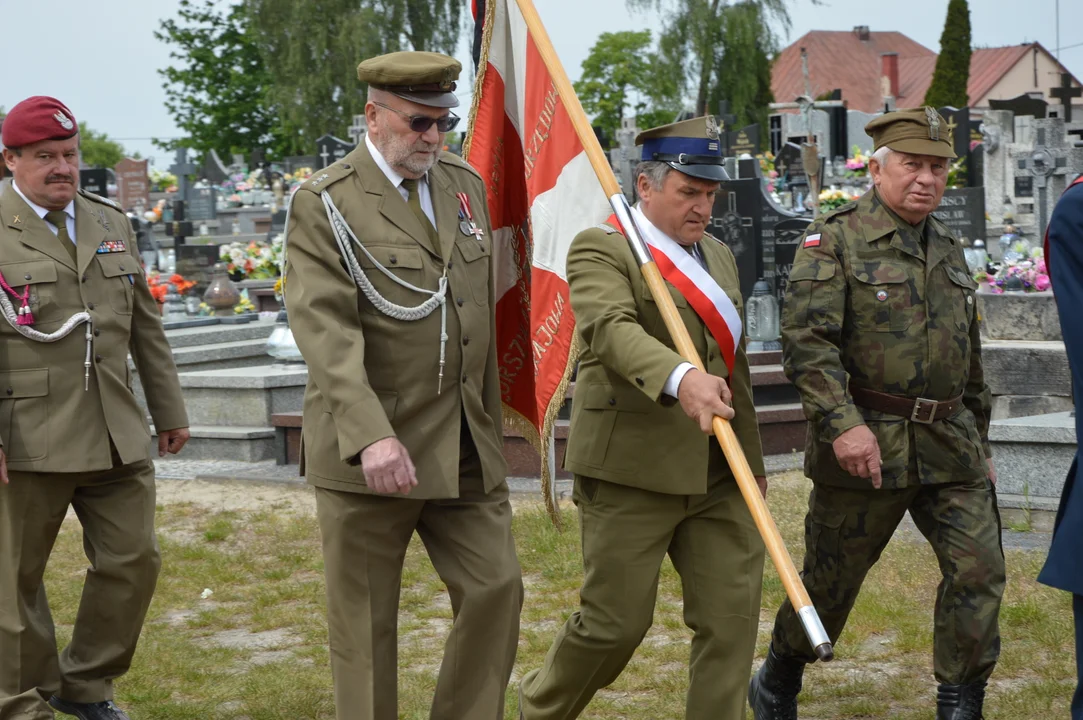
{"points": [[74, 304]]}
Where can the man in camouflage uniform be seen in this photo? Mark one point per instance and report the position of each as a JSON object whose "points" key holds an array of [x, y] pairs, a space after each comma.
{"points": [[880, 336]]}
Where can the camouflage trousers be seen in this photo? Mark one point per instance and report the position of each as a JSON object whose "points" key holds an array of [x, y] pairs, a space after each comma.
{"points": [[847, 529]]}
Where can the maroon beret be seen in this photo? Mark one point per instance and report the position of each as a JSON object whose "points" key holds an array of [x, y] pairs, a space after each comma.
{"points": [[35, 119]]}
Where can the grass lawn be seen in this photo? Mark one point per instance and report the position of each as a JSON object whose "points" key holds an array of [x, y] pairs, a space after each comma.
{"points": [[256, 646]]}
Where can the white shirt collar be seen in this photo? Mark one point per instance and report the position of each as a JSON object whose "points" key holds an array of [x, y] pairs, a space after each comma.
{"points": [[392, 174], [42, 212], [649, 228]]}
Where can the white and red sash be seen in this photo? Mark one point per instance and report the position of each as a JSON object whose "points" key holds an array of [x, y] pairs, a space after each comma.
{"points": [[681, 270]]}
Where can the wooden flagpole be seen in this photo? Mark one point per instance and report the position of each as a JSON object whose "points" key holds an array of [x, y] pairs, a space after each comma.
{"points": [[776, 548]]}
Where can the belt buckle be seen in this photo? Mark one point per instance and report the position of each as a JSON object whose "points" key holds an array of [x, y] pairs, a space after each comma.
{"points": [[921, 405]]}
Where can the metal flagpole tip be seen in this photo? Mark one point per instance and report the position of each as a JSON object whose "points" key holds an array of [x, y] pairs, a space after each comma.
{"points": [[817, 636]]}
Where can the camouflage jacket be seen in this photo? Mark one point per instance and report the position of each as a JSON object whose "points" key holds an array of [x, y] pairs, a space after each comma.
{"points": [[873, 303]]}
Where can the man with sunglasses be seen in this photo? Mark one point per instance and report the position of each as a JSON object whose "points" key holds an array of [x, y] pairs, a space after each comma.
{"points": [[390, 292]]}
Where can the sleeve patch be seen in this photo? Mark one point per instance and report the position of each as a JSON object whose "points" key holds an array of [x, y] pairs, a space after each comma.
{"points": [[812, 241]]}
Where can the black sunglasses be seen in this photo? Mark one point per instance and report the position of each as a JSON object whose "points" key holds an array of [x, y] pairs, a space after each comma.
{"points": [[421, 123]]}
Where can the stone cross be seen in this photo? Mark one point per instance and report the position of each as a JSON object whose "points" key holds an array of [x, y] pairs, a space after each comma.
{"points": [[1065, 92], [357, 131], [182, 169], [1047, 163]]}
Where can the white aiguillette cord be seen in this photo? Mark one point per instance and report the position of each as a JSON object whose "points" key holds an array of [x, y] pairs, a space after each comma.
{"points": [[343, 237], [12, 316]]}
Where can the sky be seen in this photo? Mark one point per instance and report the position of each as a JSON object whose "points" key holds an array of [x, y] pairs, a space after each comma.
{"points": [[101, 58]]}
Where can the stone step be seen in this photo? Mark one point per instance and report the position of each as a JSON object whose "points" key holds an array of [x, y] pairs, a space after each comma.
{"points": [[217, 442], [1026, 368], [243, 397], [1032, 456], [765, 357], [215, 334], [223, 355]]}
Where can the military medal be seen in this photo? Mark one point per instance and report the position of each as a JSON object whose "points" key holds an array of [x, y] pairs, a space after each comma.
{"points": [[111, 246], [467, 226]]}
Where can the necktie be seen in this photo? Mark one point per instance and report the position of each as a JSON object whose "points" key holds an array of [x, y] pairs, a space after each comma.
{"points": [[60, 219], [414, 201]]}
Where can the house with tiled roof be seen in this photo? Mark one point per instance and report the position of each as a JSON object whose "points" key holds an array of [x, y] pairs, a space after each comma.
{"points": [[870, 66]]}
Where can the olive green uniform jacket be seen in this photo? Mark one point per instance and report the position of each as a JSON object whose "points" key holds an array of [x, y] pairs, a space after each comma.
{"points": [[624, 429], [48, 422], [370, 376], [877, 303]]}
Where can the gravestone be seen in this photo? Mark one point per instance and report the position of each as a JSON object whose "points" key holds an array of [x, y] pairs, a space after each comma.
{"points": [[1025, 105], [182, 168], [331, 149], [95, 180], [1052, 164], [774, 133], [358, 129], [196, 263], [958, 121], [626, 158], [855, 131], [203, 204], [214, 170], [963, 210], [743, 141], [1065, 92], [751, 223], [996, 131], [733, 222], [133, 185], [976, 172], [1023, 186], [796, 130]]}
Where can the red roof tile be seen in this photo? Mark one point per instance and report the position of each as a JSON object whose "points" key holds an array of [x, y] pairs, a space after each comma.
{"points": [[839, 59], [989, 65]]}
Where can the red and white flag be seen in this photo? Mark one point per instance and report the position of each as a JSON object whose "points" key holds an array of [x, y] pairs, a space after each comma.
{"points": [[542, 192]]}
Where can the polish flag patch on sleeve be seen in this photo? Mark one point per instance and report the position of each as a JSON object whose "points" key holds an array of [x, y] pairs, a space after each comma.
{"points": [[812, 240]]}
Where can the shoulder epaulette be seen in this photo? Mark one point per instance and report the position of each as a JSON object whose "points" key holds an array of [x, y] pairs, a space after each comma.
{"points": [[330, 174], [940, 226], [455, 161], [840, 210], [709, 236], [607, 228], [100, 199]]}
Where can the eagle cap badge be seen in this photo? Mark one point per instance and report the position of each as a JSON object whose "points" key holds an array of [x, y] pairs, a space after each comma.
{"points": [[64, 120]]}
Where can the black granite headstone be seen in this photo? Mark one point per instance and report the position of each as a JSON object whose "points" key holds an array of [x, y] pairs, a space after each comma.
{"points": [[736, 208], [1024, 186], [202, 204], [196, 262], [958, 120], [95, 180], [743, 141], [1022, 105], [963, 210], [331, 149]]}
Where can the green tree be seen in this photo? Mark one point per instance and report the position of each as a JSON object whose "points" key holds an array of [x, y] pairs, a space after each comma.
{"points": [[620, 75], [743, 66], [314, 47], [695, 34], [97, 149], [218, 87], [953, 65]]}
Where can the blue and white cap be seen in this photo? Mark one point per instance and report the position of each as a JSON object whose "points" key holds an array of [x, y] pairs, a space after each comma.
{"points": [[691, 147]]}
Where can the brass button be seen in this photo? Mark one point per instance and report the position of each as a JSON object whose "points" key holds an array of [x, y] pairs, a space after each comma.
{"points": [[27, 276], [459, 301], [394, 260], [612, 401], [97, 358], [120, 267], [97, 332]]}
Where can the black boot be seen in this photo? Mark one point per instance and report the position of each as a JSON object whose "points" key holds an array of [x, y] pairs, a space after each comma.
{"points": [[960, 702], [772, 693], [89, 711]]}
